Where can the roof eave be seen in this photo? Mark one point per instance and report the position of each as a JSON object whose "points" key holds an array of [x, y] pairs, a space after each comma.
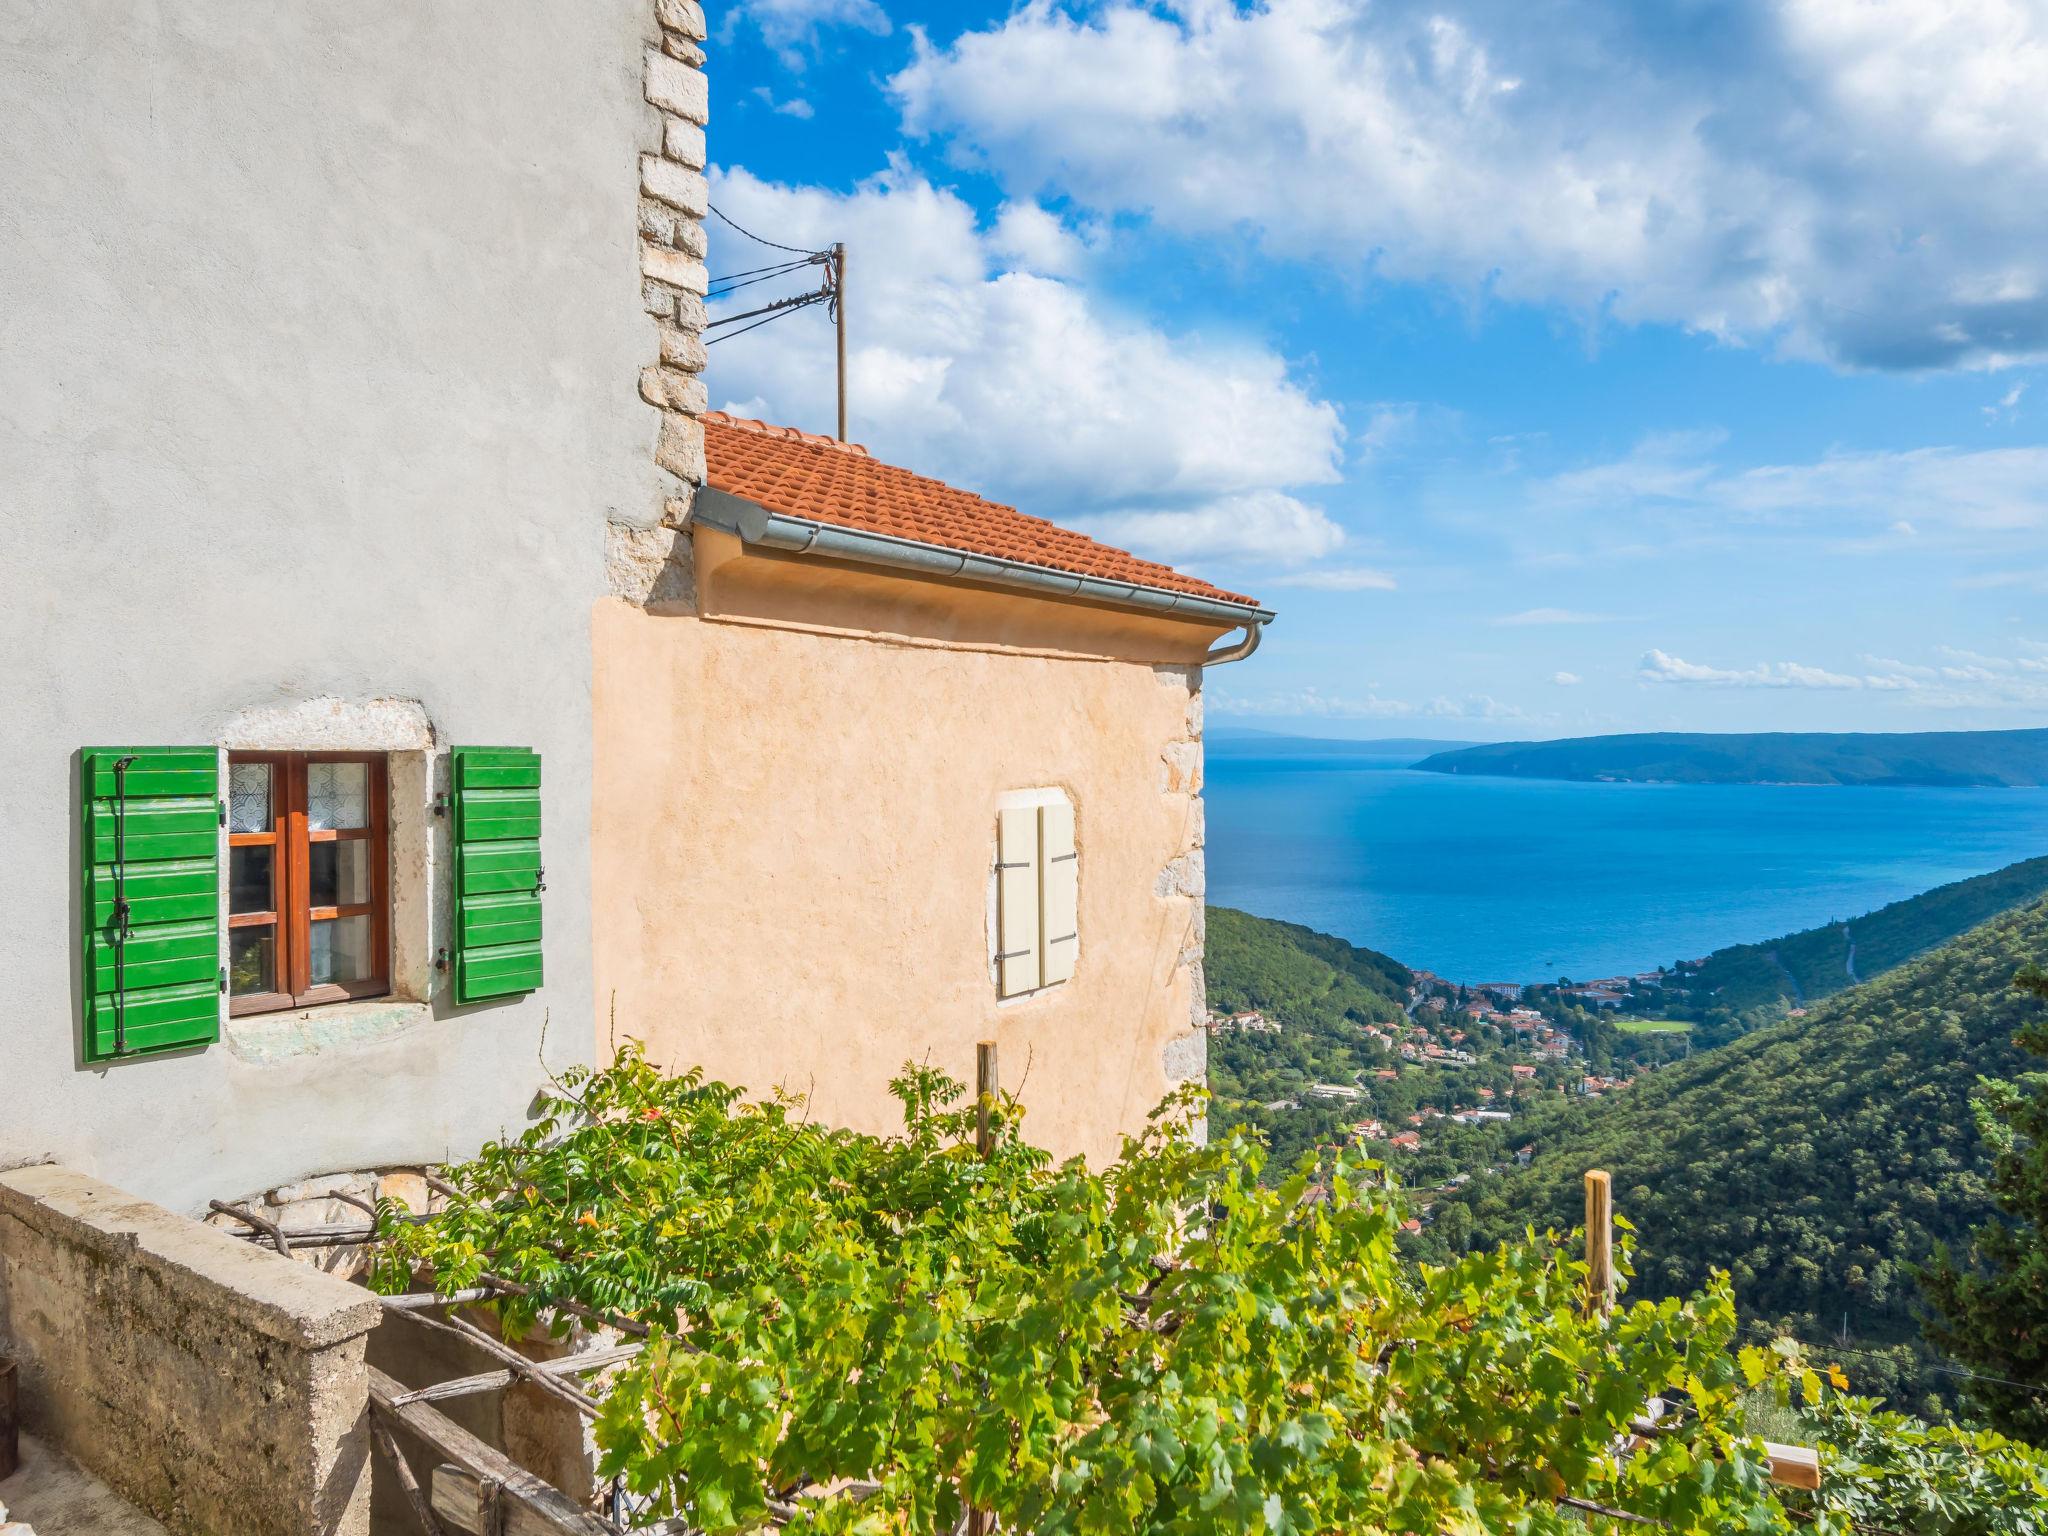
{"points": [[766, 528]]}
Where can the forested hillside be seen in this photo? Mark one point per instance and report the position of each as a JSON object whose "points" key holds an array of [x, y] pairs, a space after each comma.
{"points": [[1296, 976], [1962, 758], [1806, 967], [1817, 1160], [1319, 990]]}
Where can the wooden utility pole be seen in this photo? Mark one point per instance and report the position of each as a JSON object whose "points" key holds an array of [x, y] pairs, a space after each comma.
{"points": [[839, 315], [1599, 1241]]}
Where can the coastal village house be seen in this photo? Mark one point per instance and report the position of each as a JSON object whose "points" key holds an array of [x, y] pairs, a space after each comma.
{"points": [[904, 771], [411, 687]]}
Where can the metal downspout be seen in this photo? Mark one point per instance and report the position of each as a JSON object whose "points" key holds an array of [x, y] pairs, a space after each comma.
{"points": [[1237, 650]]}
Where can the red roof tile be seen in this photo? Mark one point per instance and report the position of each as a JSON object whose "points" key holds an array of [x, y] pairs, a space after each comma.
{"points": [[801, 474]]}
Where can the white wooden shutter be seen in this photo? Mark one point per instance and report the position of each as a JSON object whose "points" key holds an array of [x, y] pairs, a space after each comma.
{"points": [[1017, 957], [1059, 904]]}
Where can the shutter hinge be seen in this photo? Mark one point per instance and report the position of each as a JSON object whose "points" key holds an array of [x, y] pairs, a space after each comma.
{"points": [[540, 880], [223, 978], [1061, 858], [1013, 864], [221, 808], [441, 803], [1012, 954], [441, 958]]}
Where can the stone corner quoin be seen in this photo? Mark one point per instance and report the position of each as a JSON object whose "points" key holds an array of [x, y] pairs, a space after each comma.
{"points": [[647, 558]]}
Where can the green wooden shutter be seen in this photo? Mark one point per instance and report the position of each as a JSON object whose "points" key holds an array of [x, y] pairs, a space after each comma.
{"points": [[496, 795], [151, 839]]}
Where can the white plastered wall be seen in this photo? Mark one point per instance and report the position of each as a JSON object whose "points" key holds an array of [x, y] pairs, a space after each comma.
{"points": [[318, 382]]}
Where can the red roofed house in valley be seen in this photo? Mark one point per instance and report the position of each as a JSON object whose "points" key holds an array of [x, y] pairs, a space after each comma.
{"points": [[884, 769]]}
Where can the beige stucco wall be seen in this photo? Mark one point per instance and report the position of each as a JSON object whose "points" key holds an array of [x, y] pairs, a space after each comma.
{"points": [[794, 828]]}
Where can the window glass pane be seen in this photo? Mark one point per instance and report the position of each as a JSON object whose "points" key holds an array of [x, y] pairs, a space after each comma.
{"points": [[339, 873], [252, 956], [341, 950], [337, 795], [249, 878], [249, 797]]}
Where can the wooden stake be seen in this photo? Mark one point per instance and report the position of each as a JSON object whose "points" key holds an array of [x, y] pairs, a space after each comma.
{"points": [[10, 1420], [986, 1085], [491, 1381], [1600, 1241], [531, 1507], [407, 1483]]}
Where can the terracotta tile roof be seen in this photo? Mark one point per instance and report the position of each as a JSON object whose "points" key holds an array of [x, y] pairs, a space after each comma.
{"points": [[801, 474]]}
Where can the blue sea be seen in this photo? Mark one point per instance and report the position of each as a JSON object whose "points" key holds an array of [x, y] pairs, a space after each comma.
{"points": [[1482, 879]]}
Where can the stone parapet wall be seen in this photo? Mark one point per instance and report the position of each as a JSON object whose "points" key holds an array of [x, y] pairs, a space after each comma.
{"points": [[210, 1383], [650, 563]]}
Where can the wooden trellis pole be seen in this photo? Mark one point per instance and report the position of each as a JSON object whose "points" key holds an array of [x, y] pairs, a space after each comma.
{"points": [[1791, 1466], [987, 1084], [1599, 1241]]}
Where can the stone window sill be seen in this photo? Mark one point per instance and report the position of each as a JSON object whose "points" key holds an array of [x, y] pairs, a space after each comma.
{"points": [[295, 1032]]}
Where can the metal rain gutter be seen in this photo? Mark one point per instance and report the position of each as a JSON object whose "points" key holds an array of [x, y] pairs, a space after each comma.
{"points": [[757, 525]]}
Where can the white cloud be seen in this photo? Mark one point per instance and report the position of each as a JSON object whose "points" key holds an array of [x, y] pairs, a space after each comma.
{"points": [[1390, 424], [785, 22], [1661, 667], [1566, 679], [1369, 706], [1664, 466], [1999, 489], [795, 107], [2034, 579], [1862, 181], [1978, 660], [1980, 682], [1987, 493], [1030, 239], [2007, 405], [1258, 524], [1533, 616], [1335, 579], [1023, 387]]}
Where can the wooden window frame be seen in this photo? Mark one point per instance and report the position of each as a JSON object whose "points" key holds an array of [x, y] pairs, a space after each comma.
{"points": [[291, 914]]}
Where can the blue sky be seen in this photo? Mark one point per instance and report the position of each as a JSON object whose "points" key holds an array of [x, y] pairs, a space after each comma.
{"points": [[1554, 367]]}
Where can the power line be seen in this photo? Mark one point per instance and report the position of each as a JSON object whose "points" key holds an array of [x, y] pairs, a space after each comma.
{"points": [[794, 301], [786, 266], [771, 312], [1763, 1330], [832, 292], [719, 293], [771, 244]]}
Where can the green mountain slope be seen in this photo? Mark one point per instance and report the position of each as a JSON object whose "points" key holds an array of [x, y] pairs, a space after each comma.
{"points": [[1296, 976], [1816, 1160], [1806, 967], [1963, 758], [1319, 989]]}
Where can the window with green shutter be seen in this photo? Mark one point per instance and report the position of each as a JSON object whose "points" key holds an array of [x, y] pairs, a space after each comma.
{"points": [[150, 894], [495, 792]]}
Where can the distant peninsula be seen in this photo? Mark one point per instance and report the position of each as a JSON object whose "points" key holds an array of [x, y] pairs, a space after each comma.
{"points": [[1963, 759]]}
